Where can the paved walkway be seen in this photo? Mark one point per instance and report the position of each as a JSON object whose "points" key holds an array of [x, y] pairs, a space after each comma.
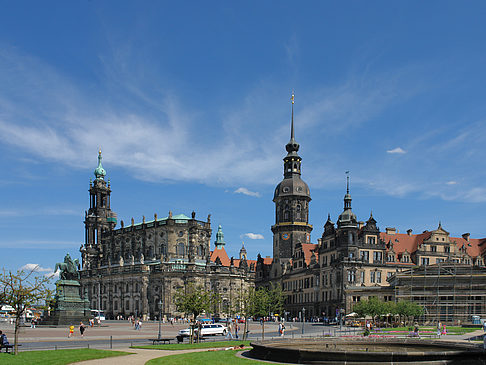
{"points": [[139, 357]]}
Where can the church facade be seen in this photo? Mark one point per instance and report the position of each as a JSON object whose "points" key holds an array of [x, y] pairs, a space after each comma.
{"points": [[354, 260], [130, 269]]}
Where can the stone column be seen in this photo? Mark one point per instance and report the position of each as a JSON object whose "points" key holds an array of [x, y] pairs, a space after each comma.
{"points": [[144, 298]]}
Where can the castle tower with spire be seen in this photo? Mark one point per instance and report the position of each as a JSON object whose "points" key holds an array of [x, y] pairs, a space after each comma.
{"points": [[99, 218], [291, 198]]}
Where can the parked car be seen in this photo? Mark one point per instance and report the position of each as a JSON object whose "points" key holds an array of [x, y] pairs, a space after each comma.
{"points": [[206, 330]]}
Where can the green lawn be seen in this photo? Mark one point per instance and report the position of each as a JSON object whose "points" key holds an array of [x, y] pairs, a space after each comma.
{"points": [[202, 345], [210, 357], [56, 357]]}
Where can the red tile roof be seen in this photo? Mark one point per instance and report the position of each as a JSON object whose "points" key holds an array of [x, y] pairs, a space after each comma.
{"points": [[307, 249], [403, 241], [223, 256]]}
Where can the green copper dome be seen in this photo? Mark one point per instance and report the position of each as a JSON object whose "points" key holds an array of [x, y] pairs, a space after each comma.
{"points": [[219, 238], [100, 172]]}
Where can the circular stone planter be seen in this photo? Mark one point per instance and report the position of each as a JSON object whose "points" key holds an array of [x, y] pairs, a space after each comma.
{"points": [[368, 351]]}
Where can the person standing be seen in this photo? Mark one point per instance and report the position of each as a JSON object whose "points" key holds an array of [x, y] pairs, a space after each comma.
{"points": [[71, 331], [82, 327], [236, 328], [3, 339]]}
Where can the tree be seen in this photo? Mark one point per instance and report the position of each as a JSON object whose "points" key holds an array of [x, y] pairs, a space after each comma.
{"points": [[195, 300], [259, 303], [409, 309], [22, 290]]}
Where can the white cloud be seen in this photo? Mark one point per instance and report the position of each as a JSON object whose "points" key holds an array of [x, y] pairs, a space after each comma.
{"points": [[9, 213], [39, 244], [245, 191], [39, 269], [397, 150], [254, 236], [452, 182]]}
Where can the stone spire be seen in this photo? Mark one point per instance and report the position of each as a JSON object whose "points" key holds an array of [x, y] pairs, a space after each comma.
{"points": [[347, 197]]}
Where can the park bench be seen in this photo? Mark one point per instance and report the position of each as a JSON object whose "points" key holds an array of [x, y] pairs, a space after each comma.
{"points": [[6, 347], [164, 340]]}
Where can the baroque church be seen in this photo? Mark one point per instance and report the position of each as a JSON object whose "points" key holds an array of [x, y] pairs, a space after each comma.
{"points": [[354, 260], [128, 270]]}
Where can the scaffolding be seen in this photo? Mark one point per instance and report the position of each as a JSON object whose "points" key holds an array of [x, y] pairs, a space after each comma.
{"points": [[450, 293]]}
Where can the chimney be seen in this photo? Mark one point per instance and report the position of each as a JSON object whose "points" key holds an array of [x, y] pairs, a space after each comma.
{"points": [[466, 236], [409, 232], [390, 230], [360, 224]]}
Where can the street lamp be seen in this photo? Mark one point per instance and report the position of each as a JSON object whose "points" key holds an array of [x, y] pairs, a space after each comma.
{"points": [[160, 316], [99, 301], [303, 319]]}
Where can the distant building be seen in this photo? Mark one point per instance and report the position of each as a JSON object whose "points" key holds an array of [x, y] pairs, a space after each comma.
{"points": [[354, 260], [128, 270]]}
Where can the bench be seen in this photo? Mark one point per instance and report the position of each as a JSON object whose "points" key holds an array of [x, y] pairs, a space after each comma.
{"points": [[164, 340], [6, 347]]}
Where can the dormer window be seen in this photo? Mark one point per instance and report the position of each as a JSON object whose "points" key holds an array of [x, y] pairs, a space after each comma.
{"points": [[371, 240]]}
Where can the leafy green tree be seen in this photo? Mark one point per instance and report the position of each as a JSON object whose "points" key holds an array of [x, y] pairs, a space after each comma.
{"points": [[409, 309], [22, 290], [260, 305], [195, 300]]}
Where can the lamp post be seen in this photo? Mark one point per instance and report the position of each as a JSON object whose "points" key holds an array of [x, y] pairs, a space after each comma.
{"points": [[99, 301], [303, 319], [160, 316]]}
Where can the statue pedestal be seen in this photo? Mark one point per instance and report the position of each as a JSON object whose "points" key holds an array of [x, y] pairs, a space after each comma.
{"points": [[69, 308]]}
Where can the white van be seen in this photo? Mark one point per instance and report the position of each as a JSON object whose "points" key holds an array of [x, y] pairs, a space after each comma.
{"points": [[95, 313]]}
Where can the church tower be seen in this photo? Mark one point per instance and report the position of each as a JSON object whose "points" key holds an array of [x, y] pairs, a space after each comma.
{"points": [[99, 218], [291, 198]]}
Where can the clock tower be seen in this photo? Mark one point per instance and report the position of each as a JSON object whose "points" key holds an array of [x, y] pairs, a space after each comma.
{"points": [[291, 198]]}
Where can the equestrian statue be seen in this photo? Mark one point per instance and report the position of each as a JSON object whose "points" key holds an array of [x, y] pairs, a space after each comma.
{"points": [[68, 268]]}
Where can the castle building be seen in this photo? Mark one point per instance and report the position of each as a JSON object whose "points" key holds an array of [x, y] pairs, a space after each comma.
{"points": [[354, 260], [128, 270]]}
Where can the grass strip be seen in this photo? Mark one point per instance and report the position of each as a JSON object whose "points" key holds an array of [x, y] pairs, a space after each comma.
{"points": [[188, 346], [57, 357], [209, 357]]}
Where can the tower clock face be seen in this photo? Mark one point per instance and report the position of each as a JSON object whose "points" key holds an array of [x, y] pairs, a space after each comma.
{"points": [[285, 236]]}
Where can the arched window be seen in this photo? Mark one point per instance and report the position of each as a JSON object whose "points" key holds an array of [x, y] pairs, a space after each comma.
{"points": [[180, 249], [298, 210], [200, 250]]}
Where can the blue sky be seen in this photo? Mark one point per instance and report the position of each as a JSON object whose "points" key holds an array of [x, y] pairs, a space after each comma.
{"points": [[190, 103]]}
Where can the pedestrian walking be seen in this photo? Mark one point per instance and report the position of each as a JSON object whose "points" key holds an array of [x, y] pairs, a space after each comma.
{"points": [[82, 327], [71, 331], [229, 335]]}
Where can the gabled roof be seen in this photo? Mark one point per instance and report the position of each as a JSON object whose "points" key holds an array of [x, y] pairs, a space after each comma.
{"points": [[307, 249], [223, 256]]}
